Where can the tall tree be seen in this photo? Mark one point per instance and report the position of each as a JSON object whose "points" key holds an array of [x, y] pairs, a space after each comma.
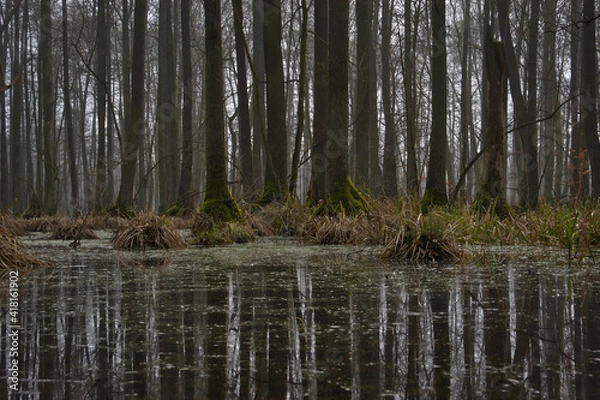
{"points": [[343, 196], [17, 170], [242, 92], [409, 75], [135, 131], [47, 104], [218, 201], [277, 154], [320, 101], [435, 189], [71, 151], [258, 93], [491, 195], [186, 196], [589, 78], [466, 104], [364, 12], [523, 115], [301, 100], [101, 98], [390, 180], [166, 109]]}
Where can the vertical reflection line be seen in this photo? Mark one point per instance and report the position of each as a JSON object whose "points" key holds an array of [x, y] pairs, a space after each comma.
{"points": [[512, 312], [294, 368], [426, 347], [152, 343], [543, 306], [199, 327], [383, 322], [354, 350], [401, 345], [233, 339], [457, 345], [479, 363], [567, 358]]}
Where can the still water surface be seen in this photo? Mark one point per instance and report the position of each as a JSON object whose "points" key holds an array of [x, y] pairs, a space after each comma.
{"points": [[326, 327]]}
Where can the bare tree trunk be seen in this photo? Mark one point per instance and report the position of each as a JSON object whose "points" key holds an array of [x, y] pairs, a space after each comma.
{"points": [[48, 102], [466, 105], [492, 193], [301, 95], [101, 61], [17, 170], [242, 92], [523, 115], [320, 101], [579, 187], [435, 189], [258, 95], [218, 202], [135, 131], [186, 195], [390, 180], [412, 179], [276, 169], [166, 110], [364, 11], [589, 76], [72, 154]]}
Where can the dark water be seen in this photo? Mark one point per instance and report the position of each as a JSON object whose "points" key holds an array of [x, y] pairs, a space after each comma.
{"points": [[322, 329]]}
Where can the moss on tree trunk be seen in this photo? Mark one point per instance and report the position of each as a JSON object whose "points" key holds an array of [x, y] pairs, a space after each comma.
{"points": [[346, 199]]}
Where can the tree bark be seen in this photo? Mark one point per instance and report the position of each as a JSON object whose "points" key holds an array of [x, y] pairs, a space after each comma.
{"points": [[435, 188], [72, 154], [17, 170], [136, 129], [301, 95], [412, 180], [186, 195], [166, 110], [242, 92], [320, 102], [523, 116], [258, 95], [101, 62], [276, 168], [47, 97], [218, 202], [491, 195], [364, 10], [589, 106], [390, 180]]}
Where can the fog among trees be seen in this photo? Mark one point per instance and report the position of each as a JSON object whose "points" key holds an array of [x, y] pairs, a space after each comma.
{"points": [[172, 105]]}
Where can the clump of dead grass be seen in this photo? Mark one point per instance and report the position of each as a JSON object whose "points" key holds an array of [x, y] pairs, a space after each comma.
{"points": [[72, 229], [13, 253], [148, 231], [425, 239], [279, 219]]}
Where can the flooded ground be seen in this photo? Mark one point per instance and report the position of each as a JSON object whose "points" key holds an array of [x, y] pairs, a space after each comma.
{"points": [[279, 319]]}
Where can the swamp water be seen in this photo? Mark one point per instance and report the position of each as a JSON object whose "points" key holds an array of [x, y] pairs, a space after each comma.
{"points": [[275, 319]]}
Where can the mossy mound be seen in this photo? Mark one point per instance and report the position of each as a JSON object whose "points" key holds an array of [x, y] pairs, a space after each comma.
{"points": [[346, 200], [148, 231], [208, 231]]}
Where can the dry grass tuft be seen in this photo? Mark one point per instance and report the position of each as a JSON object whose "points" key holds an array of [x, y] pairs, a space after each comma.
{"points": [[425, 239], [13, 254], [337, 229], [280, 219], [13, 225], [43, 224], [72, 229], [148, 231]]}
